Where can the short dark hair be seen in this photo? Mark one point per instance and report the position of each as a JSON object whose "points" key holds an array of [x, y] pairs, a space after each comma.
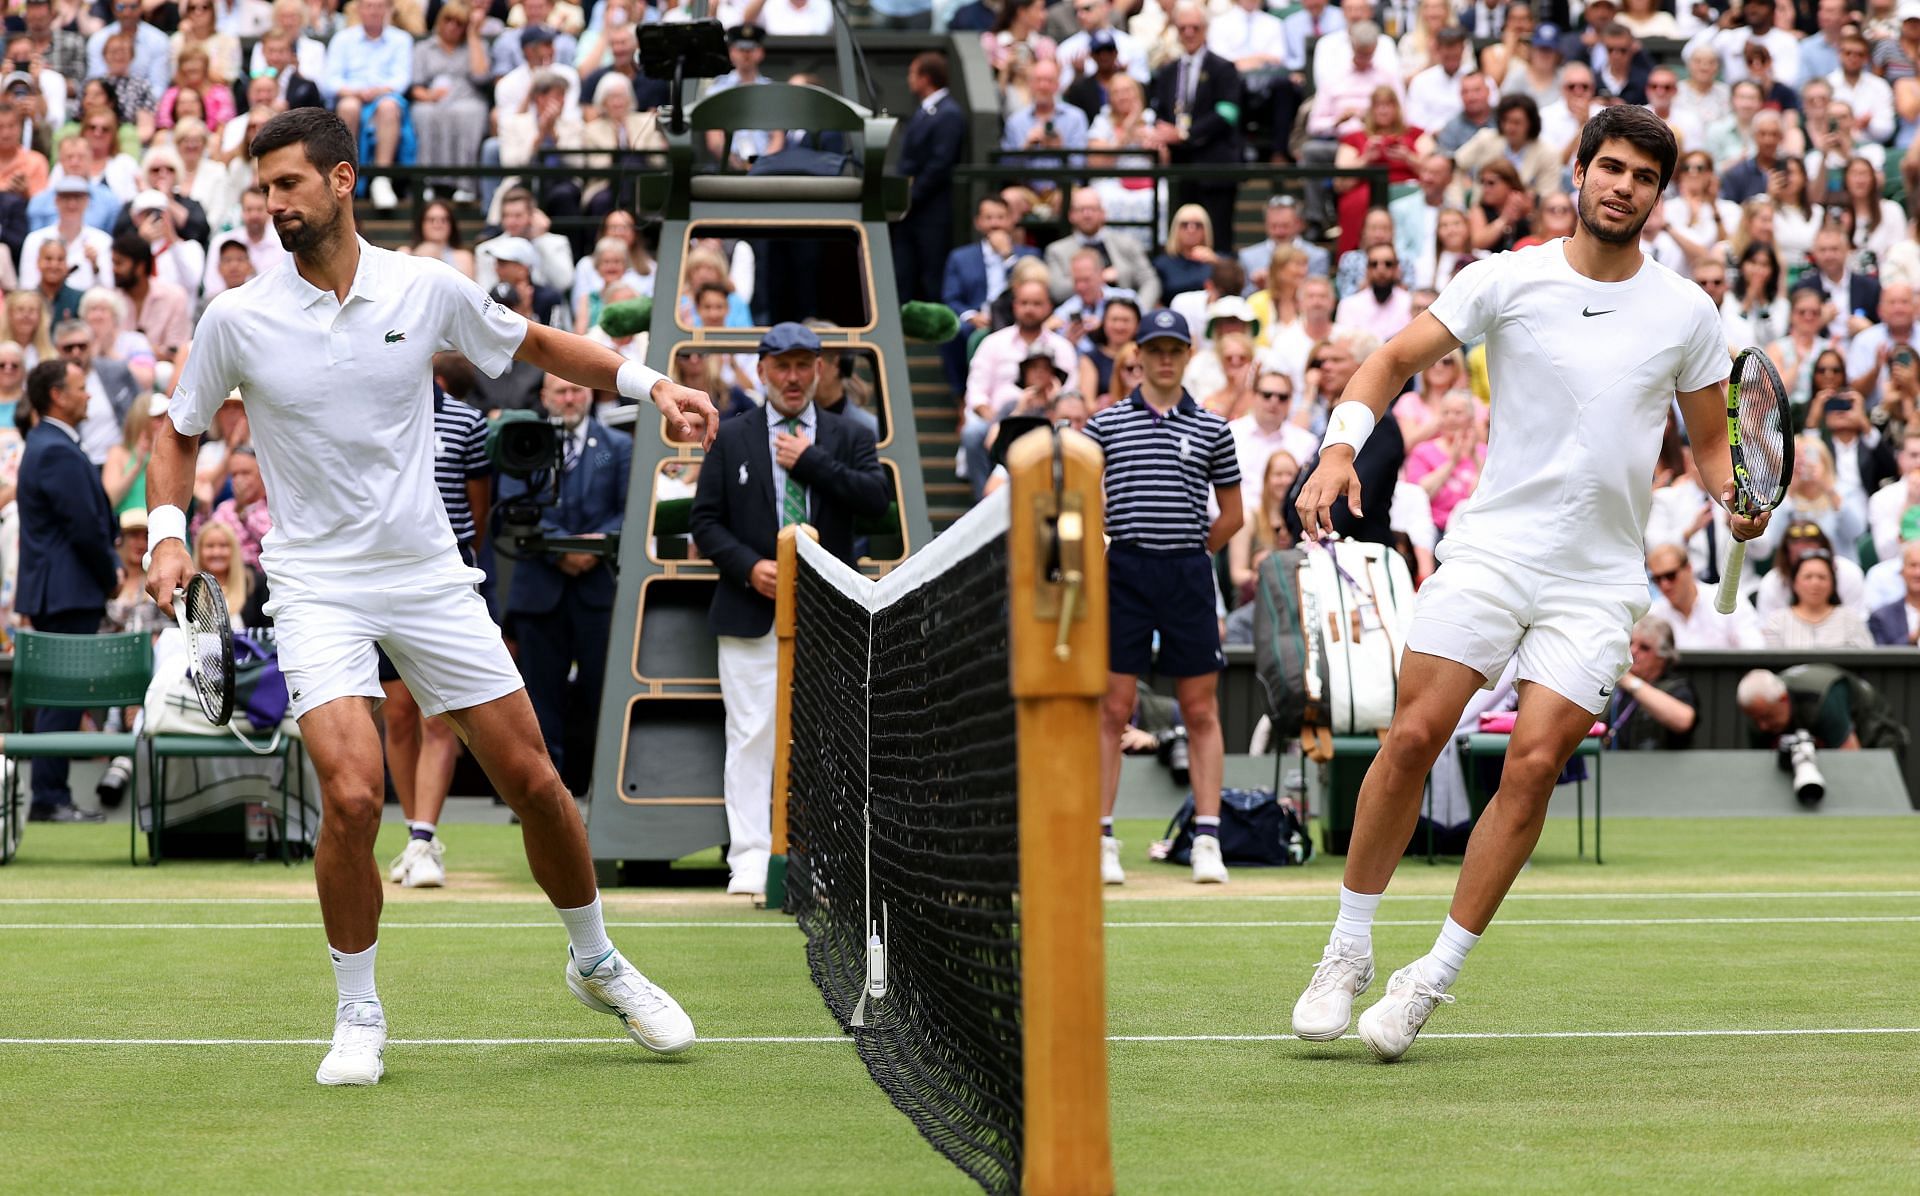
{"points": [[517, 195], [992, 197], [456, 374], [932, 66], [1521, 104], [1636, 126], [700, 291], [1228, 276], [315, 130], [134, 248], [231, 246], [41, 382]]}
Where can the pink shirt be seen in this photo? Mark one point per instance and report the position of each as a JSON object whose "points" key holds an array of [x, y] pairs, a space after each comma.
{"points": [[1432, 455]]}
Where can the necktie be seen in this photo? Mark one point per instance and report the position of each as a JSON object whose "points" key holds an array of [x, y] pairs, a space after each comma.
{"points": [[1184, 100], [793, 503], [572, 457], [1099, 246]]}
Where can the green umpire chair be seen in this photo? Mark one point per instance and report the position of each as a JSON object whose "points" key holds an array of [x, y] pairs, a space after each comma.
{"points": [[89, 672]]}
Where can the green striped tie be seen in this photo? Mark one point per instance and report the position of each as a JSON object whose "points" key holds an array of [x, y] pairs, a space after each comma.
{"points": [[793, 504]]}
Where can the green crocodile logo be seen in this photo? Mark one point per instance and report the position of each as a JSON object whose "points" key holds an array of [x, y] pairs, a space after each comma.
{"points": [[394, 338]]}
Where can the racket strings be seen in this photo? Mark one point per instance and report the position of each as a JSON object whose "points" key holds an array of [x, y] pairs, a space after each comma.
{"points": [[1763, 422], [210, 636]]}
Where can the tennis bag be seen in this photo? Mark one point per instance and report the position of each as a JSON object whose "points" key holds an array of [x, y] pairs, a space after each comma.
{"points": [[259, 691], [1356, 601], [1255, 830], [1279, 644]]}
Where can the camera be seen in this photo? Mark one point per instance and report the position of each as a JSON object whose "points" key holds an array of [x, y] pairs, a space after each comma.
{"points": [[1797, 756], [1903, 355], [1843, 401], [1173, 753], [532, 446]]}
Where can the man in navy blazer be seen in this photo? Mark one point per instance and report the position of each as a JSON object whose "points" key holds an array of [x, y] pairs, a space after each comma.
{"points": [[788, 462], [930, 147], [1898, 622], [68, 565], [977, 273], [560, 605]]}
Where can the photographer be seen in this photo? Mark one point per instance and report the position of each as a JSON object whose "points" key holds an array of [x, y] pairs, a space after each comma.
{"points": [[1838, 709]]}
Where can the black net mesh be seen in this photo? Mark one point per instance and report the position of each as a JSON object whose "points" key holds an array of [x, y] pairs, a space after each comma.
{"points": [[1764, 452], [916, 715]]}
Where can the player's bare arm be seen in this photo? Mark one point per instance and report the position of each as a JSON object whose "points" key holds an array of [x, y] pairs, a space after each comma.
{"points": [[169, 489], [1705, 414], [689, 412], [1374, 386]]}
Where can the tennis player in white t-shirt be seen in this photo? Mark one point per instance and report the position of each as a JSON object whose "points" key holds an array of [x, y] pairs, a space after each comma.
{"points": [[1588, 342], [331, 351]]}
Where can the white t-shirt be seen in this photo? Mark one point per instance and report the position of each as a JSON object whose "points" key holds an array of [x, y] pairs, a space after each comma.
{"points": [[340, 402], [1582, 374]]}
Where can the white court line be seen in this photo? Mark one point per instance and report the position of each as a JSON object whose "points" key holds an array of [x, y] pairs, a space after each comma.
{"points": [[614, 899], [785, 1039], [1194, 924]]}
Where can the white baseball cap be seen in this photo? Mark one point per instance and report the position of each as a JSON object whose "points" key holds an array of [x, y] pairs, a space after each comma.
{"points": [[512, 249]]}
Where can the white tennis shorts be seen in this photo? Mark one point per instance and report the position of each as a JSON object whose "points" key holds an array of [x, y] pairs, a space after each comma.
{"points": [[1570, 636], [437, 632]]}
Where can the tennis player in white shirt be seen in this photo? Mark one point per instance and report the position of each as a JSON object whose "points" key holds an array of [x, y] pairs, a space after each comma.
{"points": [[1588, 342], [331, 351]]}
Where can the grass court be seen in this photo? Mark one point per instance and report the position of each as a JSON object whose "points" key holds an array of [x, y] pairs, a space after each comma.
{"points": [[1727, 1005]]}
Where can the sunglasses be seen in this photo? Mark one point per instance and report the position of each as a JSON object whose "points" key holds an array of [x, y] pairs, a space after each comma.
{"points": [[1193, 224], [1576, 87], [1669, 575], [1278, 396], [10, 365], [1816, 554], [1383, 263], [81, 347]]}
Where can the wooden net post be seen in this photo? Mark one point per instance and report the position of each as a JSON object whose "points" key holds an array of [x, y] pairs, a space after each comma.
{"points": [[783, 619], [1058, 638]]}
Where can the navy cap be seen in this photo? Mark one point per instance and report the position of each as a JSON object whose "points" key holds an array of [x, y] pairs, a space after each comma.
{"points": [[784, 338], [1547, 36], [537, 35], [1101, 39], [1164, 324]]}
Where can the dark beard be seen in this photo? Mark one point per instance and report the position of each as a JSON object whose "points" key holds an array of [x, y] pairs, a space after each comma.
{"points": [[1625, 236], [1382, 293], [309, 236]]}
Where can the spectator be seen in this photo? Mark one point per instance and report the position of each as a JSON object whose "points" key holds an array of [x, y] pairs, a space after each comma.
{"points": [[112, 342], [1123, 265], [613, 266], [704, 266], [1383, 306], [1291, 346], [1453, 248], [64, 50], [1206, 309], [206, 180], [1187, 261], [27, 326], [1688, 613], [1663, 90], [930, 147], [1623, 66], [1874, 353], [1539, 81], [618, 131], [1305, 25], [1265, 531], [1820, 53], [1013, 45], [641, 270], [1383, 139], [1814, 619], [1515, 141], [623, 48], [1814, 497], [1077, 53], [231, 266], [160, 309], [1755, 312], [134, 97], [1697, 218], [1284, 226], [448, 109], [1197, 99], [1233, 351], [1562, 120], [977, 273], [74, 160], [1447, 466], [1868, 97], [994, 373], [1433, 92], [521, 217], [1863, 461], [1852, 296], [149, 53], [1277, 304], [1474, 113], [198, 31], [1089, 91], [745, 49], [1841, 711], [1416, 216], [508, 52], [23, 170], [1267, 429], [176, 262], [245, 512], [813, 467], [1128, 370], [68, 565], [297, 73], [85, 250], [216, 551], [559, 605], [1653, 708], [1805, 357], [131, 608], [161, 171], [540, 132], [1045, 124], [1126, 123], [124, 476], [369, 67], [1084, 306], [1877, 223], [1754, 23], [1375, 232], [1898, 623], [193, 85], [1751, 176], [1120, 323], [1418, 410], [1333, 53], [63, 302], [265, 250], [1798, 539], [1893, 511]]}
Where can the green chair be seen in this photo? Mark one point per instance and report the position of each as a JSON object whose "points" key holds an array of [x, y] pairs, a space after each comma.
{"points": [[87, 672], [158, 749]]}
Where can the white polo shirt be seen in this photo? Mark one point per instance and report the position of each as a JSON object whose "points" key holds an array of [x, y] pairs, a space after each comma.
{"points": [[1583, 374], [340, 401]]}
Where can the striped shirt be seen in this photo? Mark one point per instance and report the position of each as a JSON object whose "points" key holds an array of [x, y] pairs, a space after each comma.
{"points": [[1161, 470], [459, 453]]}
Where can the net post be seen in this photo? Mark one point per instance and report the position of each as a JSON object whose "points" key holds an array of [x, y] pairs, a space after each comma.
{"points": [[783, 622], [1059, 676]]}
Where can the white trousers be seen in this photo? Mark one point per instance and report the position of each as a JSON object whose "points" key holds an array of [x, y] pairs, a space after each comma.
{"points": [[748, 673]]}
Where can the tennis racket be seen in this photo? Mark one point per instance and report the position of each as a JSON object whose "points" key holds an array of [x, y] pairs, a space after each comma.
{"points": [[1762, 449], [201, 609]]}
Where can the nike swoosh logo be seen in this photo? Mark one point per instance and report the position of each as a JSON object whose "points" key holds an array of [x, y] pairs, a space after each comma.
{"points": [[1608, 312]]}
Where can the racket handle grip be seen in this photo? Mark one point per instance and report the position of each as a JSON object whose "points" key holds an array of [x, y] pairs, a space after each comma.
{"points": [[1730, 578]]}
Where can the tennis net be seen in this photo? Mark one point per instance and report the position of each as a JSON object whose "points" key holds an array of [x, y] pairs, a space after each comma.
{"points": [[904, 840]]}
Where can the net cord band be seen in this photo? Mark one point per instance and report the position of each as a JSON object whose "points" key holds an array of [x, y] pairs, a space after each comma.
{"points": [[979, 525]]}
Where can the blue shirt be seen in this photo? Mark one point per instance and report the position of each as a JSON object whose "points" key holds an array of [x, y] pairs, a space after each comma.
{"points": [[152, 56], [1069, 124], [102, 208], [507, 54], [354, 60]]}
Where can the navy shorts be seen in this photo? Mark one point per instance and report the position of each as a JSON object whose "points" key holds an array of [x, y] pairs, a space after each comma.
{"points": [[1171, 595]]}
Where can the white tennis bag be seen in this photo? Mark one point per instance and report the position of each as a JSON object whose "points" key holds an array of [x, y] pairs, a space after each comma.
{"points": [[1359, 599]]}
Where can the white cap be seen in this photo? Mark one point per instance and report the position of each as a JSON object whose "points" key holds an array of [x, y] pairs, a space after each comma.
{"points": [[150, 201], [1908, 11], [511, 249]]}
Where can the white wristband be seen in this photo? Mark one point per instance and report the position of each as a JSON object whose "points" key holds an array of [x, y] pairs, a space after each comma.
{"points": [[1350, 424], [635, 381], [163, 523]]}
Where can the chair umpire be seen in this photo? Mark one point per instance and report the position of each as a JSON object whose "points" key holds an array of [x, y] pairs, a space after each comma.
{"points": [[787, 462]]}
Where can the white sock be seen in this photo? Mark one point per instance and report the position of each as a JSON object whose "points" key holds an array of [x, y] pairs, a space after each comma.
{"points": [[1355, 923], [353, 975], [1442, 964], [587, 931]]}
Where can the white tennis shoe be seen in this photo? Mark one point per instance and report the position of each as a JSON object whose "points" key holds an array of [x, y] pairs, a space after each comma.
{"points": [[426, 871], [359, 1041], [1390, 1027], [1324, 1011], [1208, 867], [403, 863], [1111, 873], [653, 1019]]}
